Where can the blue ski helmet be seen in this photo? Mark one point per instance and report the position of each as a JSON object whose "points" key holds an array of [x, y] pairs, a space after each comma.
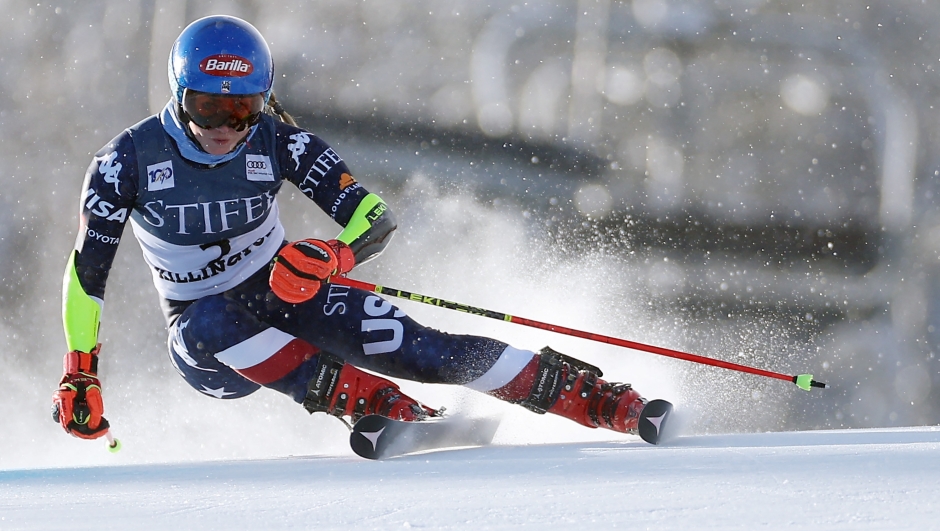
{"points": [[220, 55]]}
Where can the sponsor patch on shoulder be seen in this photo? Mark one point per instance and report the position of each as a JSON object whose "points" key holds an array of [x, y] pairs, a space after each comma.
{"points": [[160, 176], [258, 168]]}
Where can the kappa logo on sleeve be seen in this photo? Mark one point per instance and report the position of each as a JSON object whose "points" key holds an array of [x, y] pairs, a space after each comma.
{"points": [[160, 176], [298, 147], [258, 168], [110, 170]]}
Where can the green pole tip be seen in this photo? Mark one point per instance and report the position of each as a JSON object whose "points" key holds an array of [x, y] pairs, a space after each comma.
{"points": [[115, 447], [804, 381]]}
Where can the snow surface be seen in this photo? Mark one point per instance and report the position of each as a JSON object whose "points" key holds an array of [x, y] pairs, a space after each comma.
{"points": [[847, 479]]}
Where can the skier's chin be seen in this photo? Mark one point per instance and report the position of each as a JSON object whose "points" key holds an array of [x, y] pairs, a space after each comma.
{"points": [[217, 141]]}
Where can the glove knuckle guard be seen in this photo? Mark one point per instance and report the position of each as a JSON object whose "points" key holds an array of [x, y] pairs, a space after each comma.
{"points": [[291, 288], [300, 268], [309, 257]]}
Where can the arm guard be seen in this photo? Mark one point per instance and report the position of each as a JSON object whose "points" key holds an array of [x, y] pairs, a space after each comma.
{"points": [[369, 229], [80, 312]]}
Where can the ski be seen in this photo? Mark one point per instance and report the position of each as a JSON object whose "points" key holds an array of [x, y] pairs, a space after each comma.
{"points": [[653, 421], [378, 437]]}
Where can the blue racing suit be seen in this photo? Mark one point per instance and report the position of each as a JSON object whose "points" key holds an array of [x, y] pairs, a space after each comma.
{"points": [[209, 228]]}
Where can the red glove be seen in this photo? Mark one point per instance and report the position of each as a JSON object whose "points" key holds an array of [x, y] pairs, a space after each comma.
{"points": [[302, 266], [77, 404]]}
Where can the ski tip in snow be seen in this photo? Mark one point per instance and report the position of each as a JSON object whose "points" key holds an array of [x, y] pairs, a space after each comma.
{"points": [[653, 421]]}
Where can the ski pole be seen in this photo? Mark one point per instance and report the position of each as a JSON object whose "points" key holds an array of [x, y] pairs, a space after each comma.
{"points": [[82, 412], [114, 445], [803, 381]]}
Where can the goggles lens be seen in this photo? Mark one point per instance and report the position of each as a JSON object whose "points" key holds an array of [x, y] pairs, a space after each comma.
{"points": [[209, 111]]}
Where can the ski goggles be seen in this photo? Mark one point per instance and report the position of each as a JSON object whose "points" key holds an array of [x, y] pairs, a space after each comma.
{"points": [[209, 111]]}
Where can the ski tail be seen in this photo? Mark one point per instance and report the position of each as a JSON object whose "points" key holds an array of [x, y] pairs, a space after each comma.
{"points": [[654, 421], [378, 437]]}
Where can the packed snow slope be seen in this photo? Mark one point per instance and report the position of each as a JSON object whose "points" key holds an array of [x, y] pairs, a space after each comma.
{"points": [[850, 479]]}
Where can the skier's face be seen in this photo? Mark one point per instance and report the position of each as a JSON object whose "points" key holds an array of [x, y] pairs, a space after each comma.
{"points": [[237, 111], [218, 140], [220, 121]]}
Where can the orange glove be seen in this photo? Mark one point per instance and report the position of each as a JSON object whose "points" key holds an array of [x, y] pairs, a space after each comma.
{"points": [[77, 404], [301, 267]]}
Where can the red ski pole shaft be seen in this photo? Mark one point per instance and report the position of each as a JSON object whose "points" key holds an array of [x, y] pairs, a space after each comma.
{"points": [[804, 381]]}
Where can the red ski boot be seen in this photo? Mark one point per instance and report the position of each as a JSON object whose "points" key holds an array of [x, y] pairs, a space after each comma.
{"points": [[555, 383], [340, 389]]}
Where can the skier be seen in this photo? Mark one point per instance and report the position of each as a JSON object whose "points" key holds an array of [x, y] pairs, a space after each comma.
{"points": [[246, 309]]}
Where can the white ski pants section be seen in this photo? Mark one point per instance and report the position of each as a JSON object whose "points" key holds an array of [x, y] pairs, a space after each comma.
{"points": [[508, 366]]}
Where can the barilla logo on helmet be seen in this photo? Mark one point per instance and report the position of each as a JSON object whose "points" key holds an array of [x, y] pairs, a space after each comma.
{"points": [[226, 65]]}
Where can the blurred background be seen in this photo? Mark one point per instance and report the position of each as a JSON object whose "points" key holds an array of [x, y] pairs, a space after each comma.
{"points": [[750, 180]]}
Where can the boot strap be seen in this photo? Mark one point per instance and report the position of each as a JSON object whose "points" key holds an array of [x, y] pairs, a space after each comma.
{"points": [[322, 386], [550, 377], [576, 364], [557, 371], [610, 402]]}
